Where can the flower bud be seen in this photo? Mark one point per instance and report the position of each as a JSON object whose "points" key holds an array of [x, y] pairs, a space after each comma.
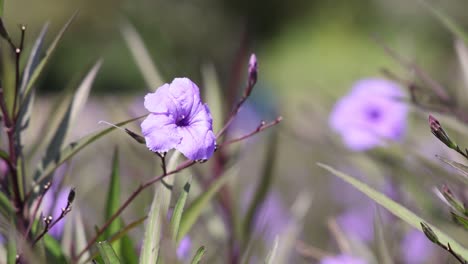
{"points": [[253, 68], [135, 136], [451, 199], [429, 233], [440, 133]]}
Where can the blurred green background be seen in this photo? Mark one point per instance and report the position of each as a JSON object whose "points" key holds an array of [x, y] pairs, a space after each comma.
{"points": [[309, 53]]}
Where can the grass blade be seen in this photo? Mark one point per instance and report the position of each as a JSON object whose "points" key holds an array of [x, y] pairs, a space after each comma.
{"points": [[397, 209], [141, 56], [72, 149], [191, 214], [40, 67], [75, 106], [178, 210], [113, 201], [213, 96], [107, 253], [153, 229], [198, 255]]}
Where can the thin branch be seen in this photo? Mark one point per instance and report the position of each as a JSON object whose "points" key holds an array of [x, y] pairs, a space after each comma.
{"points": [[141, 187], [36, 209]]}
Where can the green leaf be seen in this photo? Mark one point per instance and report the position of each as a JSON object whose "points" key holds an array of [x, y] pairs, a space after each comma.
{"points": [[11, 244], [127, 251], [75, 106], [33, 60], [153, 230], [198, 255], [6, 208], [462, 220], [141, 56], [72, 149], [461, 169], [113, 201], [397, 209], [53, 250], [191, 214], [107, 253], [178, 210], [40, 67], [446, 21], [8, 77], [213, 96]]}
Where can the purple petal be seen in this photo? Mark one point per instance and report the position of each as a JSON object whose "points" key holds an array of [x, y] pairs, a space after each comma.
{"points": [[342, 259], [198, 142], [184, 248], [159, 101], [160, 132]]}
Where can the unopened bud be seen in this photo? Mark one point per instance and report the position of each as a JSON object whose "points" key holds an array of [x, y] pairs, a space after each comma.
{"points": [[440, 133], [135, 136], [253, 70], [71, 196], [429, 233], [451, 199]]}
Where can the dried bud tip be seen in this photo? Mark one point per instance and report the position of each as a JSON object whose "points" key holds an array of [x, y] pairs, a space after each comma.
{"points": [[71, 195], [439, 132], [253, 63], [429, 233], [253, 68]]}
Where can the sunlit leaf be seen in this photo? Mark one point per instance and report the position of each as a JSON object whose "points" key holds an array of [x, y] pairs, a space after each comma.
{"points": [[153, 229], [397, 209], [107, 253], [213, 96], [40, 67], [141, 56], [198, 255], [195, 209], [72, 149]]}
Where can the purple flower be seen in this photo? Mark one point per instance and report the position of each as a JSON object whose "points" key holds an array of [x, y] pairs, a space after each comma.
{"points": [[52, 204], [358, 222], [178, 119], [370, 114], [416, 248], [342, 259], [184, 248]]}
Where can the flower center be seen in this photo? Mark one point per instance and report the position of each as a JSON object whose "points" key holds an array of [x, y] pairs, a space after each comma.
{"points": [[374, 114], [182, 121]]}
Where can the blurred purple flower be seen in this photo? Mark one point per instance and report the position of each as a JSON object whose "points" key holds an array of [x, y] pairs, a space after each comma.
{"points": [[416, 248], [184, 248], [370, 114], [52, 204], [178, 119], [271, 218], [358, 222], [342, 259]]}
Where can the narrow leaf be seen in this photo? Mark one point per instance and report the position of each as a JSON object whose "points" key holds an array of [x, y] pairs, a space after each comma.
{"points": [[461, 169], [127, 251], [11, 244], [107, 253], [75, 106], [213, 96], [462, 220], [153, 230], [397, 209], [8, 76], [54, 252], [191, 214], [72, 149], [446, 21], [198, 255], [178, 210], [40, 67], [141, 56], [113, 201]]}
